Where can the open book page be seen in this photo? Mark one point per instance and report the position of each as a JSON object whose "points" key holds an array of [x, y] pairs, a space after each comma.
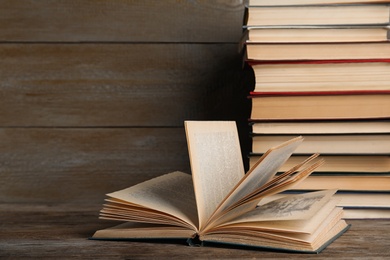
{"points": [[329, 222], [124, 211], [228, 216], [132, 230], [294, 207], [327, 230], [280, 178], [260, 174], [305, 225], [287, 182], [172, 193], [216, 162], [250, 202]]}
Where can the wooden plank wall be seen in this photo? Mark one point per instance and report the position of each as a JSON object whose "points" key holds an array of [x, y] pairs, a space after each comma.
{"points": [[93, 93]]}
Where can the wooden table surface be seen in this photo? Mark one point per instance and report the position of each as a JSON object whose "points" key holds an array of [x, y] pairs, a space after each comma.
{"points": [[61, 232]]}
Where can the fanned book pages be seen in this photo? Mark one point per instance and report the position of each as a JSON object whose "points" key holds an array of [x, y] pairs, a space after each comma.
{"points": [[217, 204]]}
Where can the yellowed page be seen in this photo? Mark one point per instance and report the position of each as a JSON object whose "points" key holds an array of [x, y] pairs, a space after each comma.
{"points": [[228, 216], [172, 193], [262, 172], [332, 219], [304, 226], [328, 230], [285, 184], [292, 207], [131, 230], [216, 162], [249, 202]]}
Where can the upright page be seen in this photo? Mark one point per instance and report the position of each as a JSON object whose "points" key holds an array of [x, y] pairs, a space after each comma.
{"points": [[216, 163]]}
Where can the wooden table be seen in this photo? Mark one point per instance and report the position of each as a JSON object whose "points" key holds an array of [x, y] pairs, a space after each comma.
{"points": [[42, 231]]}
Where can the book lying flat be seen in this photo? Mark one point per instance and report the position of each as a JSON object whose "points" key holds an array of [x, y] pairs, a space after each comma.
{"points": [[367, 213], [374, 144], [317, 51], [358, 182], [322, 127], [348, 199], [361, 14], [295, 34], [312, 106], [218, 202], [310, 2], [321, 76], [344, 163]]}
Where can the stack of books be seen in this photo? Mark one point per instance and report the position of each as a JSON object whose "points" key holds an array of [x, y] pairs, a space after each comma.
{"points": [[322, 70]]}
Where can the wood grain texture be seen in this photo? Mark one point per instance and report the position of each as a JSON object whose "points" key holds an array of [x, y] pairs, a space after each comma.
{"points": [[81, 165], [121, 21], [115, 84], [93, 94], [61, 232]]}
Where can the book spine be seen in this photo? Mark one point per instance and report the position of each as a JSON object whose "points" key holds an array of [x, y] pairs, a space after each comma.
{"points": [[314, 93], [260, 62]]}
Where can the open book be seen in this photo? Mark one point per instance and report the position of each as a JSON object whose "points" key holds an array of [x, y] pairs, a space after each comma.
{"points": [[218, 202]]}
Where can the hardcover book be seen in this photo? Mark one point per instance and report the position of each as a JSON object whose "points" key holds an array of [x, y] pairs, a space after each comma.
{"points": [[353, 76], [360, 14], [317, 51], [217, 204], [374, 144], [311, 2], [315, 106], [344, 163], [313, 34]]}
